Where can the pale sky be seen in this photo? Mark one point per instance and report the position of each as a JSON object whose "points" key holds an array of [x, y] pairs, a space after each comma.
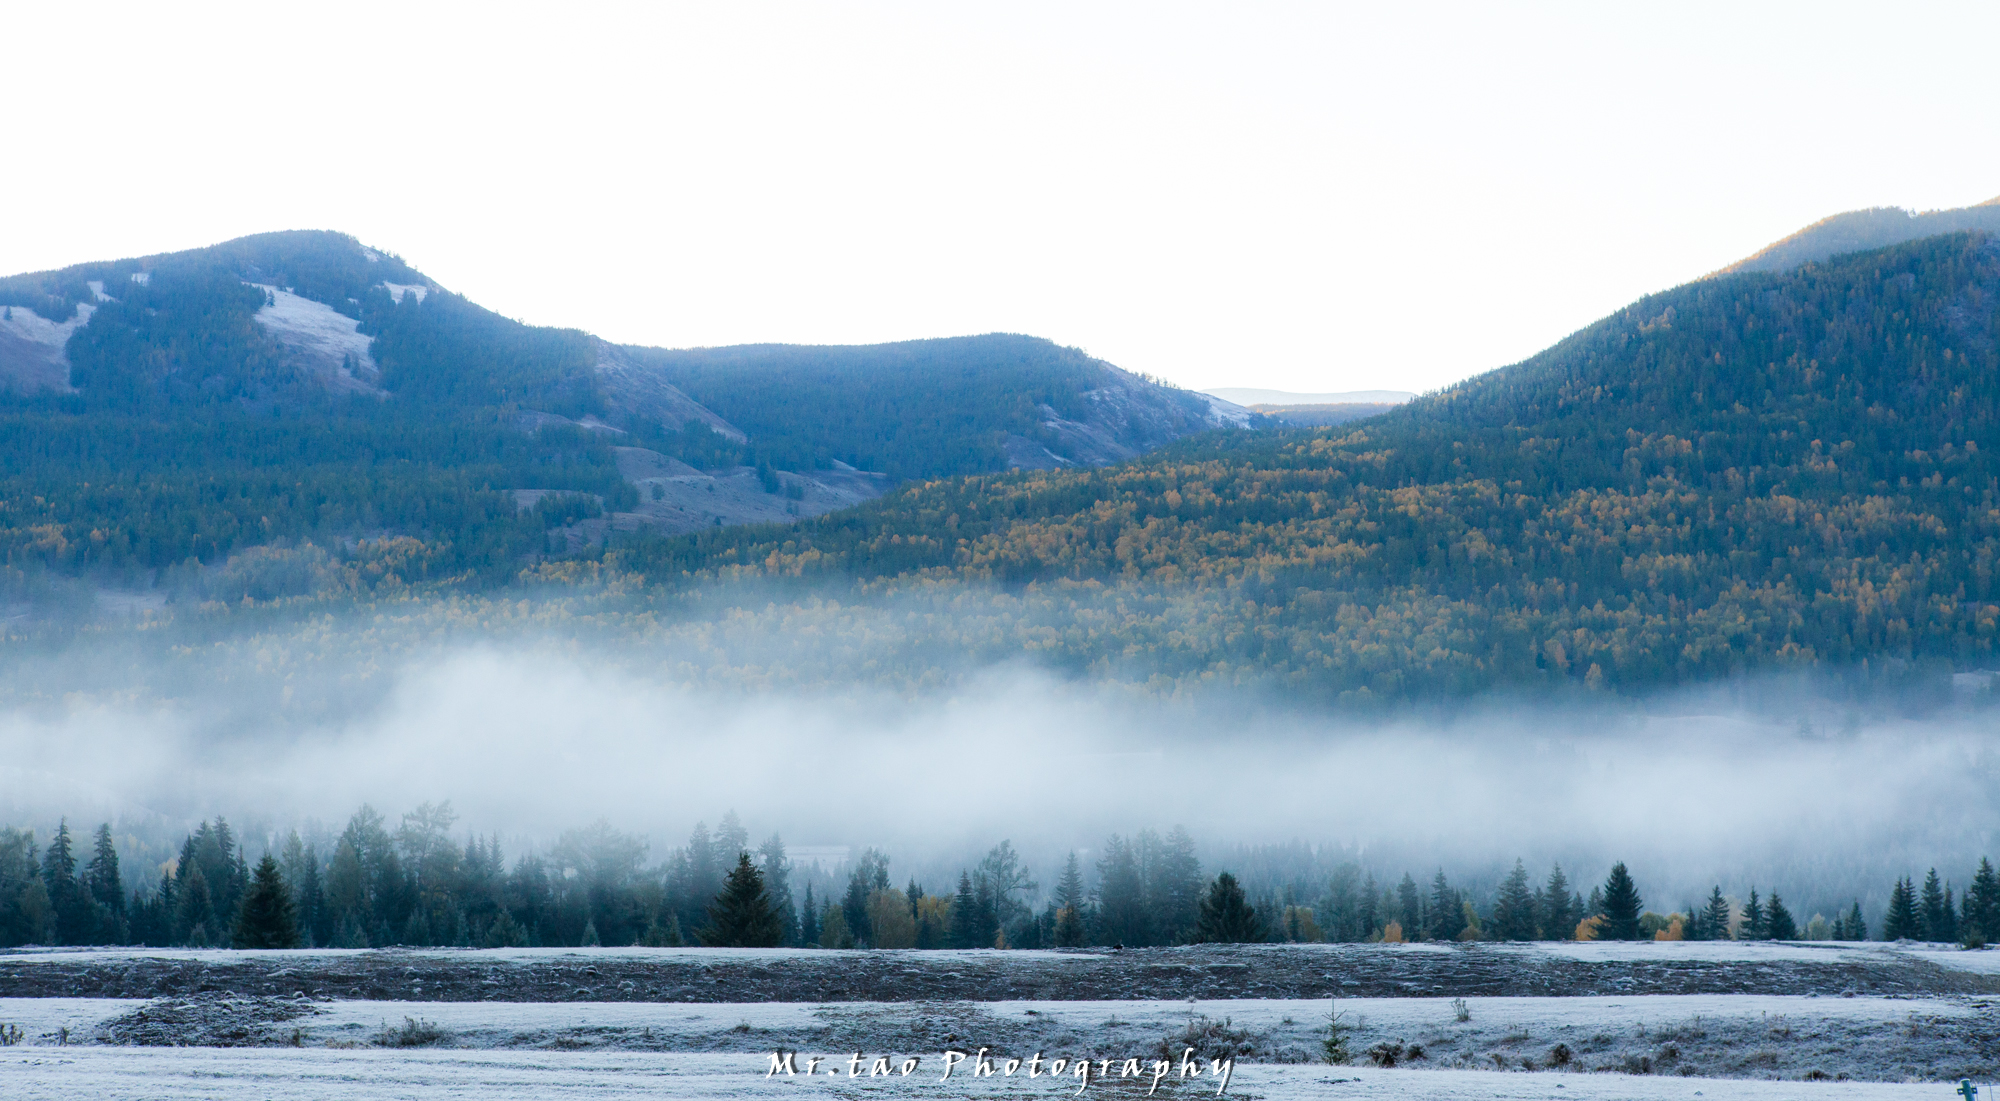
{"points": [[1305, 197]]}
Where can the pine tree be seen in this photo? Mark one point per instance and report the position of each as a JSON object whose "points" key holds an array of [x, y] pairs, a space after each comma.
{"points": [[1715, 915], [741, 916], [1982, 903], [1934, 908], [1755, 924], [1410, 908], [1369, 915], [1902, 921], [1778, 921], [1949, 931], [964, 922], [777, 869], [1447, 916], [1178, 888], [106, 886], [1857, 929], [1557, 921], [809, 921], [1121, 895], [1226, 916], [871, 874], [1069, 931], [1621, 906], [67, 897], [1069, 889], [1514, 909], [505, 932], [265, 918]]}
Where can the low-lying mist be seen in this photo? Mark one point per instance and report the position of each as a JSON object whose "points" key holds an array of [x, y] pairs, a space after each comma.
{"points": [[530, 730]]}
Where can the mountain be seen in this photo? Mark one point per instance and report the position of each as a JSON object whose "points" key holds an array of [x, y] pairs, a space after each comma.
{"points": [[1753, 471], [300, 385], [1246, 396], [1860, 230]]}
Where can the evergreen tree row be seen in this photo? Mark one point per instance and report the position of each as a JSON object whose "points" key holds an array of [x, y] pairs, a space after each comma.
{"points": [[416, 884]]}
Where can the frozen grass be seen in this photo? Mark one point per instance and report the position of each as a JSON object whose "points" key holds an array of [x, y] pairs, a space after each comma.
{"points": [[175, 1074]]}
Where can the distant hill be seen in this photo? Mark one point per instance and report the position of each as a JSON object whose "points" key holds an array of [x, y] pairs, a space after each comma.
{"points": [[180, 407], [1754, 471], [1860, 230], [1248, 397], [1321, 416]]}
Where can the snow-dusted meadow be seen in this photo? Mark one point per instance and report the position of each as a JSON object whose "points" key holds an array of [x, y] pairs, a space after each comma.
{"points": [[207, 1041]]}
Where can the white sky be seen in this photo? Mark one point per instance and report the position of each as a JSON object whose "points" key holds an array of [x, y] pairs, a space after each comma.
{"points": [[1305, 197]]}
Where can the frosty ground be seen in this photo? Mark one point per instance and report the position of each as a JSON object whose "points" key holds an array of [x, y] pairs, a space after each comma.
{"points": [[1799, 1020]]}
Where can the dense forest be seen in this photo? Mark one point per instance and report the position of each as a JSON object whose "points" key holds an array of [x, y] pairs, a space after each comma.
{"points": [[917, 409], [188, 437], [1748, 472], [417, 884], [190, 433]]}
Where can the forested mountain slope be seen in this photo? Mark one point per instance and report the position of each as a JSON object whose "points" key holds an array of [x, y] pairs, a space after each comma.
{"points": [[1744, 472], [1860, 230], [294, 386]]}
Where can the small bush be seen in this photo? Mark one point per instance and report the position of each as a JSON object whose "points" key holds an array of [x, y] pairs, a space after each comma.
{"points": [[1560, 1055], [1210, 1039], [415, 1032], [1460, 1012]]}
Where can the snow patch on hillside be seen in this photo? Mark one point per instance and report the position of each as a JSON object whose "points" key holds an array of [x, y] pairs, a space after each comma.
{"points": [[398, 290], [1222, 412], [31, 348], [322, 342]]}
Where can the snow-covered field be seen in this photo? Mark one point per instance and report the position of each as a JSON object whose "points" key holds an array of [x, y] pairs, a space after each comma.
{"points": [[573, 1022], [119, 1074]]}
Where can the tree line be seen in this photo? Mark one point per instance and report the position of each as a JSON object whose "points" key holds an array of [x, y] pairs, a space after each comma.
{"points": [[415, 884]]}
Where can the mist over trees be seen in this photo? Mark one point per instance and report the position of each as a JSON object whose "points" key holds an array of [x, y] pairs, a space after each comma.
{"points": [[417, 883]]}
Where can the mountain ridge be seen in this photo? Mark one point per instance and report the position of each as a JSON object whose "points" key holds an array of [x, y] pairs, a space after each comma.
{"points": [[1758, 471]]}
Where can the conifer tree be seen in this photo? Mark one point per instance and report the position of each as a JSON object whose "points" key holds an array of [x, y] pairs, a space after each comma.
{"points": [[1069, 930], [1857, 928], [1514, 909], [1715, 915], [1447, 916], [809, 921], [1410, 908], [1621, 905], [1982, 903], [1177, 889], [1755, 923], [1934, 908], [106, 886], [1226, 916], [1558, 923], [964, 921], [871, 874], [1902, 921], [777, 871], [1069, 889], [1778, 921], [1368, 916], [741, 916], [67, 897], [1121, 895], [1948, 933], [265, 918]]}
